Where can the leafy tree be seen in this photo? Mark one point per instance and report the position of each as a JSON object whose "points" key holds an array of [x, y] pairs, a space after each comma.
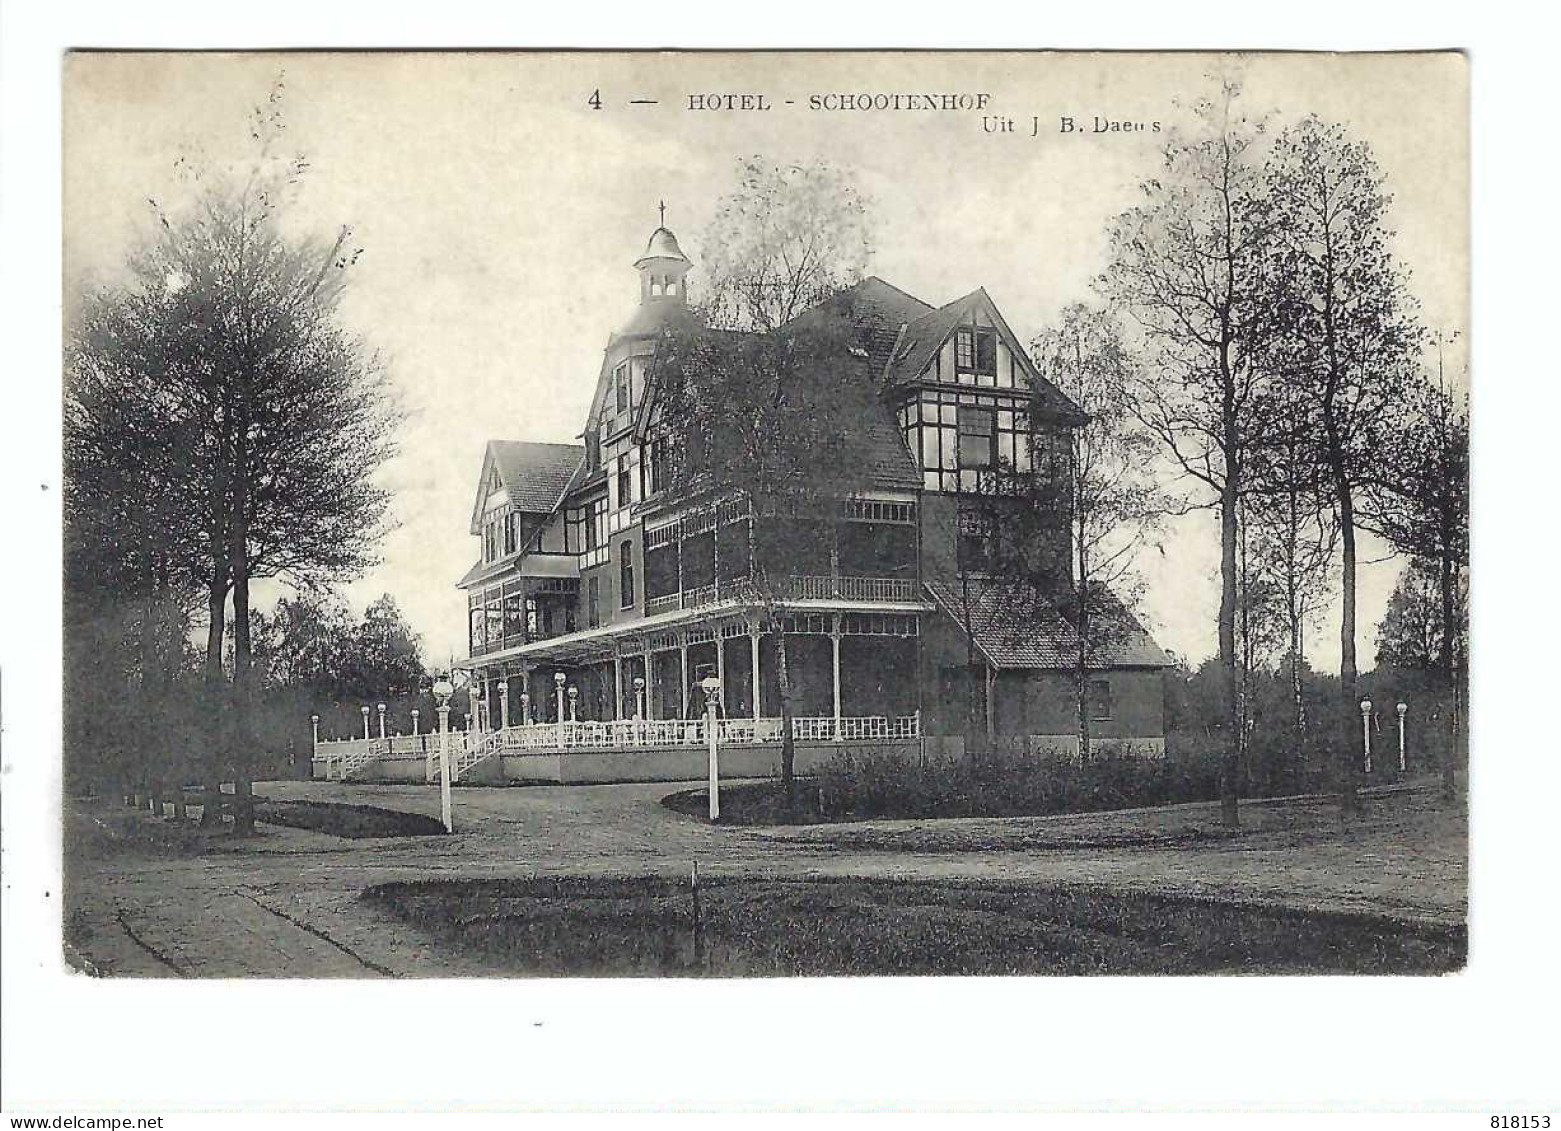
{"points": [[1420, 503], [1412, 634], [1189, 268], [228, 332], [753, 402], [1350, 339]]}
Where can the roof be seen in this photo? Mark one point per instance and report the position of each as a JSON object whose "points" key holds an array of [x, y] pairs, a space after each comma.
{"points": [[924, 336], [535, 475], [663, 245], [878, 309], [1015, 627]]}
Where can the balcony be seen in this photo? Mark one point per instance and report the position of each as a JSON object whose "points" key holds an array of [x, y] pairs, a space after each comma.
{"points": [[800, 587]]}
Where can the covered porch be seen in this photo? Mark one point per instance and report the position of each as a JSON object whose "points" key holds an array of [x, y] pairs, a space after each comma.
{"points": [[852, 675]]}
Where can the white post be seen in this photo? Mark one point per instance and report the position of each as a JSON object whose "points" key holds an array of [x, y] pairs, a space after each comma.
{"points": [[574, 701], [525, 708], [639, 697], [382, 720], [503, 704], [442, 692], [315, 721], [617, 686], [712, 688], [834, 648], [753, 666], [1403, 709], [365, 723], [559, 679], [1365, 729], [415, 731]]}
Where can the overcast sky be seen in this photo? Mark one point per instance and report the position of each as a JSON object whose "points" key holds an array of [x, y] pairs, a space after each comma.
{"points": [[500, 214]]}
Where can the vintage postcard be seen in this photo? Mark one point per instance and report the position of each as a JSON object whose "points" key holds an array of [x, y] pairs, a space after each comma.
{"points": [[739, 515]]}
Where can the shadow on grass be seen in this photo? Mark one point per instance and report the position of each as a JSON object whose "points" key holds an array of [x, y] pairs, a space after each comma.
{"points": [[845, 926], [352, 821]]}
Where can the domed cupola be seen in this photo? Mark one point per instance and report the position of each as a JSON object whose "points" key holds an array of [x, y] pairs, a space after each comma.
{"points": [[663, 267]]}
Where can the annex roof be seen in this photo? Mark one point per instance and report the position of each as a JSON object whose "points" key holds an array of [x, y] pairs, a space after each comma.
{"points": [[1014, 627]]}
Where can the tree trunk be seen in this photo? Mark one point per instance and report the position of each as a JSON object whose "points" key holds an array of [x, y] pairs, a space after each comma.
{"points": [[1349, 675], [1230, 756], [243, 690], [216, 606], [1450, 673], [788, 740], [1081, 666]]}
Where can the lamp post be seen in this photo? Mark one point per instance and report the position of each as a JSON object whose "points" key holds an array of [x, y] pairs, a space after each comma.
{"points": [[315, 722], [1403, 709], [442, 692], [574, 700], [559, 679], [415, 731], [1365, 729], [503, 704], [639, 697], [712, 689], [365, 710], [382, 720]]}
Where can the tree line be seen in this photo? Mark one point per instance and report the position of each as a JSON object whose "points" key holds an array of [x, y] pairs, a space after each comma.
{"points": [[221, 425]]}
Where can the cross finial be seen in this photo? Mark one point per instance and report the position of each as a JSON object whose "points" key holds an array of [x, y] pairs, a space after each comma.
{"points": [[662, 207]]}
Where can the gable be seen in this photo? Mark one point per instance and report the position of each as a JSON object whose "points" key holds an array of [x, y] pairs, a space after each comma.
{"points": [[968, 343]]}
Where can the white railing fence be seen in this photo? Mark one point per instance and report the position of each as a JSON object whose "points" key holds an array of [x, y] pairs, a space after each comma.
{"points": [[345, 757]]}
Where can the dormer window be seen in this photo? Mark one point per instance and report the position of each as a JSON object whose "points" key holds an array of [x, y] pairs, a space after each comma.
{"points": [[975, 350]]}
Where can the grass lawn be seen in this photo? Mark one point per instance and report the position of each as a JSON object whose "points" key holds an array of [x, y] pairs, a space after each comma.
{"points": [[353, 821], [756, 927]]}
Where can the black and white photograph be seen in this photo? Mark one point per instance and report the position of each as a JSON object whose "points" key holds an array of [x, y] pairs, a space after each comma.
{"points": [[643, 531], [939, 550]]}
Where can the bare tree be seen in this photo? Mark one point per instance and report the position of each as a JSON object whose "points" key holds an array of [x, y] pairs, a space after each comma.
{"points": [[1109, 501], [1188, 269], [792, 235], [1350, 339]]}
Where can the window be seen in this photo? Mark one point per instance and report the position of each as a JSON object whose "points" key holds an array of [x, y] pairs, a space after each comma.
{"points": [[620, 380], [593, 610], [1099, 699], [975, 350], [595, 523], [976, 437], [624, 481], [975, 540], [511, 533], [626, 574]]}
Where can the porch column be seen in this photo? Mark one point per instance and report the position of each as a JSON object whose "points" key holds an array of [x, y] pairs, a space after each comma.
{"points": [[650, 683], [834, 650], [753, 644], [683, 674], [617, 685], [720, 664], [504, 704], [991, 705]]}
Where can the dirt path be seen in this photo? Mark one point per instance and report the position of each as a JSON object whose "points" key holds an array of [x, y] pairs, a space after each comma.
{"points": [[285, 903]]}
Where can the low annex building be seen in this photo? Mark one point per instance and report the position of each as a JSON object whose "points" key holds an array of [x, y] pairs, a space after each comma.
{"points": [[601, 596]]}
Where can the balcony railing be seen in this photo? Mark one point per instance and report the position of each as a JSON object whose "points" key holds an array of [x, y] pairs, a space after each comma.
{"points": [[800, 587], [634, 734]]}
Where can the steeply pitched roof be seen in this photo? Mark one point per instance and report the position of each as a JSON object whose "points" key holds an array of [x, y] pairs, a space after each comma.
{"points": [[878, 310], [1015, 628], [535, 475], [922, 338]]}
